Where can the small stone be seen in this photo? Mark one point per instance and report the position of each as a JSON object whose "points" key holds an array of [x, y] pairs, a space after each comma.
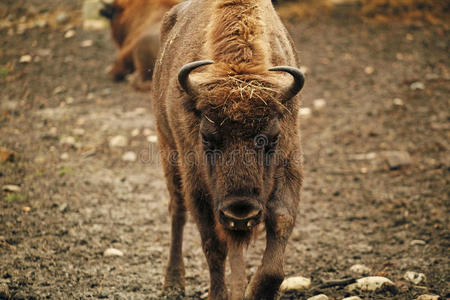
{"points": [[68, 140], [78, 131], [369, 70], [59, 90], [69, 34], [25, 59], [6, 155], [428, 297], [112, 252], [152, 138], [371, 284], [146, 132], [106, 92], [304, 112], [118, 141], [70, 100], [62, 18], [65, 156], [409, 37], [11, 188], [418, 243], [397, 159], [26, 209], [398, 102], [297, 283], [140, 110], [360, 269], [135, 132], [414, 277], [319, 104], [129, 156], [318, 297], [417, 86], [63, 207], [364, 156], [86, 43], [352, 298]]}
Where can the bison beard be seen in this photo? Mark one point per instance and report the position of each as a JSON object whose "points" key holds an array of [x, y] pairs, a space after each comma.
{"points": [[238, 105]]}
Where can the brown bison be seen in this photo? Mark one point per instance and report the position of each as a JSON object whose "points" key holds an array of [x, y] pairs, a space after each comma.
{"points": [[225, 99], [135, 26]]}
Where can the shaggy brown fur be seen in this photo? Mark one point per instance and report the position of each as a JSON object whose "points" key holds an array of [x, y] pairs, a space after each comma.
{"points": [[239, 103], [135, 26]]}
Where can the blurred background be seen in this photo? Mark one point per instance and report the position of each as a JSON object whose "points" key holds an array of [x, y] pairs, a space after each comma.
{"points": [[83, 202]]}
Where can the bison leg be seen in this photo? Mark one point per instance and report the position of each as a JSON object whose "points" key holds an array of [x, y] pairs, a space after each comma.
{"points": [[267, 280], [124, 65], [174, 279], [214, 248], [238, 281]]}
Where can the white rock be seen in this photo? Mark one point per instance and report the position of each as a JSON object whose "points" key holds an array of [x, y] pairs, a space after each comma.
{"points": [[11, 188], [370, 284], [25, 59], [397, 159], [62, 18], [414, 277], [428, 297], [398, 102], [364, 156], [65, 156], [360, 269], [69, 34], [146, 132], [369, 70], [352, 298], [417, 86], [304, 112], [319, 104], [152, 138], [78, 131], [129, 156], [113, 252], [118, 141], [68, 140], [135, 132], [318, 297], [86, 43], [418, 243], [297, 283]]}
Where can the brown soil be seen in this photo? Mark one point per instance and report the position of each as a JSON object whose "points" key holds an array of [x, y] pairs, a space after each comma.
{"points": [[53, 232]]}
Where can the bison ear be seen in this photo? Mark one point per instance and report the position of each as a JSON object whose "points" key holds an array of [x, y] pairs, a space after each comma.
{"points": [[298, 83], [188, 85], [107, 10]]}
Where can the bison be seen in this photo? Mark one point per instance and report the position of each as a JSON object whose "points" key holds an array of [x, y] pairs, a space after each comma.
{"points": [[135, 26], [226, 106]]}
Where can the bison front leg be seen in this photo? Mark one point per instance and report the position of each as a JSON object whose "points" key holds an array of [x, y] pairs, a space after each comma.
{"points": [[174, 279], [214, 248], [267, 279], [237, 281]]}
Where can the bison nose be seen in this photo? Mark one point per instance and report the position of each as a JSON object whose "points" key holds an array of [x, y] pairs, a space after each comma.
{"points": [[241, 214]]}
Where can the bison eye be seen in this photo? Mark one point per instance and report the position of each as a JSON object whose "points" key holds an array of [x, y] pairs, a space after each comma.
{"points": [[209, 142], [266, 142]]}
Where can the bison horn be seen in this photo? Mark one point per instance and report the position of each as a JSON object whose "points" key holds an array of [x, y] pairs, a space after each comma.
{"points": [[183, 76], [297, 85], [107, 10]]}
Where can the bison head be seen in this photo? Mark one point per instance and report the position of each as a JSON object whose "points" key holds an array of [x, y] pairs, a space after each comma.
{"points": [[240, 138]]}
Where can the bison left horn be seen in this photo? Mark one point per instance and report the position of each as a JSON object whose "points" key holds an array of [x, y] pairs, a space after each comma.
{"points": [[297, 85], [183, 76], [107, 10]]}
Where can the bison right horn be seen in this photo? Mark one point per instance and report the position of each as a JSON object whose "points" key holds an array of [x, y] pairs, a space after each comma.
{"points": [[297, 85], [183, 76]]}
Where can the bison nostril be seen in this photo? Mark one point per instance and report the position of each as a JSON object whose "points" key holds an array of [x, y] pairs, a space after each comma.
{"points": [[242, 215]]}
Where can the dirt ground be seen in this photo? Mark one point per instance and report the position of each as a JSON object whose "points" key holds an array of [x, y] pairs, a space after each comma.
{"points": [[385, 86]]}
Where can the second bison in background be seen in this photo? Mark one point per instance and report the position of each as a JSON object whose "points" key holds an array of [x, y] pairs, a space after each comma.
{"points": [[135, 26]]}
